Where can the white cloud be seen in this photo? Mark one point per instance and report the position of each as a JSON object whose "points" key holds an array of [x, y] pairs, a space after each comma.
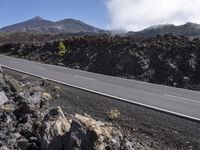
{"points": [[139, 14]]}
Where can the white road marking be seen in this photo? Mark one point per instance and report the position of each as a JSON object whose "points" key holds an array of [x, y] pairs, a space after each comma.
{"points": [[185, 99], [85, 77]]}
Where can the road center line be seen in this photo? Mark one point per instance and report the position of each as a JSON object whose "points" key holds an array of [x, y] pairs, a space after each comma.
{"points": [[186, 99], [84, 77]]}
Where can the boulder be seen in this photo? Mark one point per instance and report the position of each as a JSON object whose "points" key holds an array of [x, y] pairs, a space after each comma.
{"points": [[87, 133], [46, 96], [4, 147], [53, 130], [23, 144], [6, 108], [13, 83], [3, 98], [129, 146]]}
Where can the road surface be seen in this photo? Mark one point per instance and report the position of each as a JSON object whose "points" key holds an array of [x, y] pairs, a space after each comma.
{"points": [[185, 103]]}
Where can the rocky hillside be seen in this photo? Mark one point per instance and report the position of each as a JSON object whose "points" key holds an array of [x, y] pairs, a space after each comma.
{"points": [[25, 37], [167, 60], [40, 25], [189, 30]]}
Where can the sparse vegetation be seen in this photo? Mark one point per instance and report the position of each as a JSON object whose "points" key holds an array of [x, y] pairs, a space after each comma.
{"points": [[62, 49], [113, 114]]}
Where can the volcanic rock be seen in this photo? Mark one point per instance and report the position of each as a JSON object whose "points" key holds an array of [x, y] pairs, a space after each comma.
{"points": [[3, 98], [53, 129], [87, 133]]}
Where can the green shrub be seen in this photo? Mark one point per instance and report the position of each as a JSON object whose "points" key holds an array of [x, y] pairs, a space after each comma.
{"points": [[62, 50]]}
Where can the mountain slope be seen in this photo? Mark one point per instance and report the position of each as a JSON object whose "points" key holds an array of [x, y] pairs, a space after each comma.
{"points": [[189, 30], [73, 26], [40, 25]]}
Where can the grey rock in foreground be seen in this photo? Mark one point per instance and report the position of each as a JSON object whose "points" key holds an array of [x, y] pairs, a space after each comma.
{"points": [[3, 98], [53, 130]]}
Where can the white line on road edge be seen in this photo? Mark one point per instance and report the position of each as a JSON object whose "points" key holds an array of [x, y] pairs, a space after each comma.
{"points": [[107, 95], [185, 99], [85, 77]]}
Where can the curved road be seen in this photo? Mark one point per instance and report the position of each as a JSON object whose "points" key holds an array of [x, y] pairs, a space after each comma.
{"points": [[185, 103]]}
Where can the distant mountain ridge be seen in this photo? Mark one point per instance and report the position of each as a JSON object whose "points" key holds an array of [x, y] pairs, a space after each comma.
{"points": [[40, 25], [188, 29]]}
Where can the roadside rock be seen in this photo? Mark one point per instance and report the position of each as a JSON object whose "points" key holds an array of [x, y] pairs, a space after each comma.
{"points": [[57, 88], [3, 98], [7, 108], [53, 130], [46, 96], [129, 146], [14, 84], [23, 144], [4, 148], [87, 133]]}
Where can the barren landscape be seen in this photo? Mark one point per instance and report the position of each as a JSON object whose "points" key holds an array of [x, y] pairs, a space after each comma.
{"points": [[168, 60], [100, 75]]}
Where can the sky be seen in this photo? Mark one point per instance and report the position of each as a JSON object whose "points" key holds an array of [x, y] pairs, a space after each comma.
{"points": [[92, 12], [106, 14]]}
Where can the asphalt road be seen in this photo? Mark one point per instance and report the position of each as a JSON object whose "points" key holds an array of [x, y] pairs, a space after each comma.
{"points": [[185, 103]]}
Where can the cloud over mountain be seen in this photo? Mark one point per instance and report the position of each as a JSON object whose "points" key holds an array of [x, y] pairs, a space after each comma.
{"points": [[138, 14]]}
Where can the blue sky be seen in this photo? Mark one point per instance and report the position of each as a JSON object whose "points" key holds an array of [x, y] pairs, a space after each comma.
{"points": [[93, 12]]}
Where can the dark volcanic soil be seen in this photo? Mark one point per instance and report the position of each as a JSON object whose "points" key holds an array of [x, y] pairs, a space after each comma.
{"points": [[168, 60], [146, 128]]}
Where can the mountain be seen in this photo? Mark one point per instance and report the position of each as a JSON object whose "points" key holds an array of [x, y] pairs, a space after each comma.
{"points": [[40, 25], [189, 30]]}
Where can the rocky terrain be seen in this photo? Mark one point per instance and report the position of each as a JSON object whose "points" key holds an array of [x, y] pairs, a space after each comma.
{"points": [[29, 38], [167, 60], [29, 122]]}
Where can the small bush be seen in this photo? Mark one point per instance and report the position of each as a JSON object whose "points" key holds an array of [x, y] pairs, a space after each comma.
{"points": [[113, 114], [62, 49]]}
